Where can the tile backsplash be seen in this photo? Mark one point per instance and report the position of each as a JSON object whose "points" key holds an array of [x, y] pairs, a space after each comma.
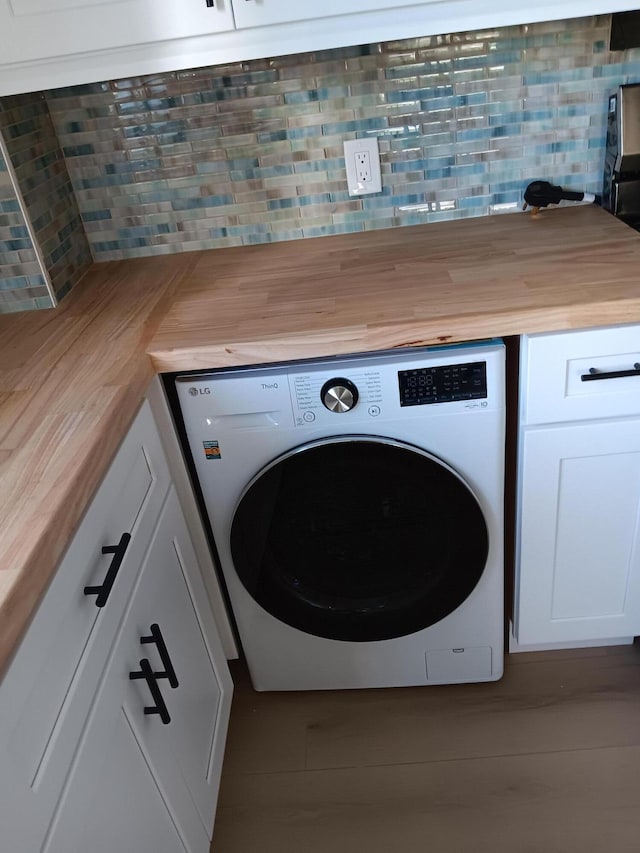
{"points": [[41, 174], [22, 284], [252, 152]]}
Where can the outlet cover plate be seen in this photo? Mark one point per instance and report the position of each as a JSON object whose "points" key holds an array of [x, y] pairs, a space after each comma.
{"points": [[372, 183]]}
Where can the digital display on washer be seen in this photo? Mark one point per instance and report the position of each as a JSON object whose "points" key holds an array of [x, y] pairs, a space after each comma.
{"points": [[444, 384]]}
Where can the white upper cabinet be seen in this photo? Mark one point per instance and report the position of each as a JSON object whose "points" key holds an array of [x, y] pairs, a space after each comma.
{"points": [[258, 13], [39, 29], [46, 44]]}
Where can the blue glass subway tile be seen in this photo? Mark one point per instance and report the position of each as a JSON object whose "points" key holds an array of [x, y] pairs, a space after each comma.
{"points": [[290, 133], [19, 231], [330, 165], [96, 215], [105, 246], [179, 136], [508, 186], [58, 253], [329, 230], [298, 201], [153, 127], [136, 166], [14, 282], [242, 163], [437, 174], [201, 201], [254, 239], [15, 245], [502, 131], [507, 197], [301, 97], [262, 172], [323, 93], [357, 126], [597, 143], [419, 94], [340, 196], [78, 150], [242, 230], [473, 134], [147, 106], [273, 136], [211, 167], [132, 231], [400, 166], [103, 181]]}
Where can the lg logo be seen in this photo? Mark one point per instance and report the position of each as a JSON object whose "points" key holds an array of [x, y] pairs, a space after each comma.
{"points": [[195, 392]]}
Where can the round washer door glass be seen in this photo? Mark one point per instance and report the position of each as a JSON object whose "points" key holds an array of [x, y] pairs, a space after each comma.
{"points": [[357, 538]]}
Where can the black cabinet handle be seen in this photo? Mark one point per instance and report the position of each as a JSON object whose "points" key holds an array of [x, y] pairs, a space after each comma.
{"points": [[157, 638], [104, 589], [594, 374], [209, 3], [149, 676]]}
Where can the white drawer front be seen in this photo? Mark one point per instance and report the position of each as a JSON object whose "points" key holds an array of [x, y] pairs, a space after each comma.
{"points": [[45, 695], [553, 367]]}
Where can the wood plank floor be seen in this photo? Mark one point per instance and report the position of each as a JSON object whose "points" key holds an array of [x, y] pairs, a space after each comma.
{"points": [[545, 761]]}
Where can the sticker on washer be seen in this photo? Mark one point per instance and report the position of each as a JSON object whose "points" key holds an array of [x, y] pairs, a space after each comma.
{"points": [[211, 449]]}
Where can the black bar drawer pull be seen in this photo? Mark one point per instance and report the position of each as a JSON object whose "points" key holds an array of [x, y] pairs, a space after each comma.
{"points": [[594, 374], [159, 707], [157, 638], [104, 589]]}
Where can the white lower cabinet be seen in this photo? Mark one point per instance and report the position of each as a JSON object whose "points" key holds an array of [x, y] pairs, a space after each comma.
{"points": [[149, 761], [82, 766], [579, 541], [578, 518]]}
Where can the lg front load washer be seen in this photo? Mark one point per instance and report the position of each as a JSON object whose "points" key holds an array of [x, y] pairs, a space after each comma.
{"points": [[357, 510]]}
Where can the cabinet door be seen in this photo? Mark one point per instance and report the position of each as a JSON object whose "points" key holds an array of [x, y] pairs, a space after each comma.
{"points": [[172, 597], [140, 782], [256, 13], [113, 801], [578, 577], [36, 29]]}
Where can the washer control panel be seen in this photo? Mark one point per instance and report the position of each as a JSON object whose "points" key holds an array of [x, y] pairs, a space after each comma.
{"points": [[314, 394], [448, 383]]}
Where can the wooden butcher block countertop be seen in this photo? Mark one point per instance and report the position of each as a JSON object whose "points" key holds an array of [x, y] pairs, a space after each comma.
{"points": [[452, 281], [71, 379]]}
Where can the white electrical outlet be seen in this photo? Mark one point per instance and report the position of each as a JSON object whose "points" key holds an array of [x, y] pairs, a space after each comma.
{"points": [[362, 161]]}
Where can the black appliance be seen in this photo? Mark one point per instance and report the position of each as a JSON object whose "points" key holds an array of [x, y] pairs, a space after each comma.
{"points": [[621, 187]]}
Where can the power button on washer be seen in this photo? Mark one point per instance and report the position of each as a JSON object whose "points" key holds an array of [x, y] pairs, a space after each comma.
{"points": [[309, 417], [374, 411]]}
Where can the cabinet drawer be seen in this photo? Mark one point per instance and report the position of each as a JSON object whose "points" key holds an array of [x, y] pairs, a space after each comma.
{"points": [[46, 694], [575, 376]]}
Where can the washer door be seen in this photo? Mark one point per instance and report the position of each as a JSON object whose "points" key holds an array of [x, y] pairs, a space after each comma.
{"points": [[359, 538]]}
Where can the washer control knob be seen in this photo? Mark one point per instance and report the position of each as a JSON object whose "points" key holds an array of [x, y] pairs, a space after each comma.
{"points": [[339, 395]]}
